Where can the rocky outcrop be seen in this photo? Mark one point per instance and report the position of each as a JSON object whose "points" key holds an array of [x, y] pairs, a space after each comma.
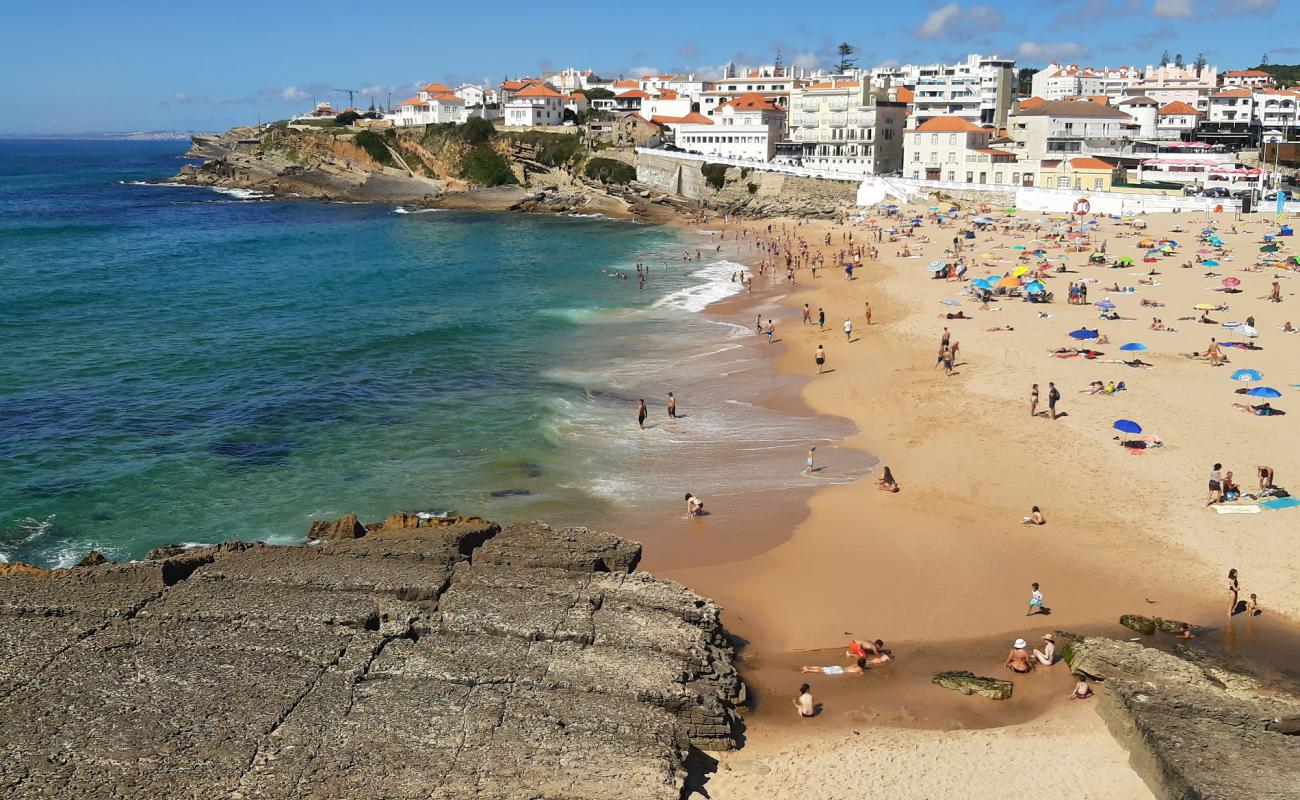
{"points": [[456, 659], [970, 683], [1148, 626], [1194, 727], [347, 527]]}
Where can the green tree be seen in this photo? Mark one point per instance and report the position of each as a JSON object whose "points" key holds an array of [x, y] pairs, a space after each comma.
{"points": [[1025, 80], [476, 131], [485, 167], [347, 117], [597, 93], [847, 60], [1178, 61], [1200, 63], [1164, 59]]}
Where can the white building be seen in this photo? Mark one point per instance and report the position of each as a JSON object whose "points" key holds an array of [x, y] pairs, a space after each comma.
{"points": [[845, 126], [956, 149], [1062, 81], [471, 94], [534, 105], [570, 80], [1062, 128], [745, 128], [1231, 105], [1144, 112], [1276, 109], [665, 103], [1247, 78], [979, 89], [434, 104], [773, 85], [685, 85], [1174, 84], [1177, 121]]}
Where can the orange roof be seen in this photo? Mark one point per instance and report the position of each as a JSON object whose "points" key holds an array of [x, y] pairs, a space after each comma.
{"points": [[1030, 102], [1178, 107], [436, 88], [537, 90], [752, 102], [634, 94], [1233, 93], [1246, 73], [1099, 98], [694, 118], [833, 85], [950, 125], [1088, 162], [412, 101], [905, 95], [627, 84], [667, 94]]}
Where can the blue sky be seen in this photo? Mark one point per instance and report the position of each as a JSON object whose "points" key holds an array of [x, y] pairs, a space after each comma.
{"points": [[181, 65]]}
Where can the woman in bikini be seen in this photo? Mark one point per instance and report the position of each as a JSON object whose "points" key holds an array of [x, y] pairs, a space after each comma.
{"points": [[1233, 591], [1018, 659]]}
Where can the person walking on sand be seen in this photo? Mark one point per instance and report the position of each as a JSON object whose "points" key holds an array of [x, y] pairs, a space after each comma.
{"points": [[804, 702], [820, 358], [812, 454], [821, 318], [1035, 602], [672, 406], [758, 324], [771, 330], [848, 330], [1213, 352], [1053, 395], [946, 337], [807, 314], [1033, 401], [641, 413], [1216, 484]]}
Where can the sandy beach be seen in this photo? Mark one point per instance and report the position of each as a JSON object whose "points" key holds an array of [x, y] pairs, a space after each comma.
{"points": [[947, 558]]}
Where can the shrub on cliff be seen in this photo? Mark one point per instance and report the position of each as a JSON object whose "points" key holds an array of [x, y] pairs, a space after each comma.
{"points": [[607, 170], [714, 174], [486, 167], [476, 131], [551, 149], [374, 147], [347, 117]]}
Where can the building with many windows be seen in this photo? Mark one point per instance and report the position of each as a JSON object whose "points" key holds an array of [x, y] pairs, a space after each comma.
{"points": [[845, 126], [534, 105], [955, 149], [745, 128], [1064, 128], [979, 89]]}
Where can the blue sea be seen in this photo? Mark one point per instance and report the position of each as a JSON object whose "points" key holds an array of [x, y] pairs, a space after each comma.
{"points": [[183, 364]]}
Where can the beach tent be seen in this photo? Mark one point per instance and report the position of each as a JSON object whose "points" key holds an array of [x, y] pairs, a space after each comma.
{"points": [[1247, 375], [1264, 391], [1126, 426], [1133, 346]]}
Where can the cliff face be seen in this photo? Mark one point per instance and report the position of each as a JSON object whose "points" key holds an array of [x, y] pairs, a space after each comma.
{"points": [[459, 660]]}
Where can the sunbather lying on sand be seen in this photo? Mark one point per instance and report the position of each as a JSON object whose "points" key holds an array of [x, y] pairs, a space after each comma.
{"points": [[1261, 410]]}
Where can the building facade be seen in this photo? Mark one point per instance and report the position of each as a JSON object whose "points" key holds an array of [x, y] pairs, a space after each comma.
{"points": [[1060, 129], [534, 105], [979, 90], [745, 128], [845, 126], [955, 149]]}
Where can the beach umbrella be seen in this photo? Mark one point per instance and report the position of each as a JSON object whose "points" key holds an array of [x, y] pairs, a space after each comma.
{"points": [[1105, 305], [1132, 346], [1127, 426], [1125, 260], [1269, 248], [1247, 375], [1009, 282], [1264, 391], [935, 266], [1018, 271], [983, 283], [1231, 282], [948, 301], [987, 257], [1018, 247], [1203, 307], [1202, 251], [1083, 333], [1209, 263], [1245, 330], [1035, 287]]}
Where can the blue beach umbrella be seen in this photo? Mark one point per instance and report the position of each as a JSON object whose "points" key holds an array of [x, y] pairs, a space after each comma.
{"points": [[935, 266], [1105, 305], [983, 283], [1209, 263], [1131, 346], [1127, 426], [1083, 333], [1035, 287], [1264, 391], [1247, 375]]}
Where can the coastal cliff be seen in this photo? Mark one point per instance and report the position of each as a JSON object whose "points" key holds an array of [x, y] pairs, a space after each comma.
{"points": [[435, 658]]}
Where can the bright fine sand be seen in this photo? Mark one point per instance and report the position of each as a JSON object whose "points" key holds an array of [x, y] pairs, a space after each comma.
{"points": [[948, 558]]}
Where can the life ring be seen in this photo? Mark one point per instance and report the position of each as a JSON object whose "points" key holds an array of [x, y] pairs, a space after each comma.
{"points": [[1082, 207]]}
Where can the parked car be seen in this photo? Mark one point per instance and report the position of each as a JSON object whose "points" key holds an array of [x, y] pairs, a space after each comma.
{"points": [[1216, 191]]}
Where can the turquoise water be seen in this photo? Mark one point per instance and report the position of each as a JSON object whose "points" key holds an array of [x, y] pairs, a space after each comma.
{"points": [[183, 365]]}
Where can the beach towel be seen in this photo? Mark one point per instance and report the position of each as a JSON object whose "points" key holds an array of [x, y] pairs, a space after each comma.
{"points": [[1222, 509], [1278, 503]]}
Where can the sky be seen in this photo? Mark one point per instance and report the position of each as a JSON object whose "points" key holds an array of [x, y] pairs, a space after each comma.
{"points": [[138, 65]]}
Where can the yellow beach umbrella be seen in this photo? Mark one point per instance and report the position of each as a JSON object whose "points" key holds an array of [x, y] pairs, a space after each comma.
{"points": [[1019, 271], [1203, 307]]}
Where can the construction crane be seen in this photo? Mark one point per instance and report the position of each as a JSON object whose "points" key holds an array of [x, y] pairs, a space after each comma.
{"points": [[350, 92]]}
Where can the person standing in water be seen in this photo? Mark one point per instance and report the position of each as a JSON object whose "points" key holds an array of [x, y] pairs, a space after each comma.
{"points": [[641, 413], [812, 453], [672, 406]]}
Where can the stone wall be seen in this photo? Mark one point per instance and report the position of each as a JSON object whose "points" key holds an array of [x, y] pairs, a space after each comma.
{"points": [[772, 192]]}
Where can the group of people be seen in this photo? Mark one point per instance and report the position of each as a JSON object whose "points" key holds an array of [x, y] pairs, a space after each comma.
{"points": [[1222, 487]]}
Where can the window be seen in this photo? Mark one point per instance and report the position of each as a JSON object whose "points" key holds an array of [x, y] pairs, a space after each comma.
{"points": [[997, 177], [1097, 183], [1015, 177], [952, 158], [934, 138], [952, 138], [1063, 182], [952, 176], [916, 155], [970, 177]]}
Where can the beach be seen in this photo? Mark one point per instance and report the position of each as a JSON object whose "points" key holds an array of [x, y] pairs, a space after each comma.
{"points": [[948, 557]]}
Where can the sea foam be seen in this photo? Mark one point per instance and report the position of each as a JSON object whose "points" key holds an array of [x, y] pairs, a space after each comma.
{"points": [[717, 284]]}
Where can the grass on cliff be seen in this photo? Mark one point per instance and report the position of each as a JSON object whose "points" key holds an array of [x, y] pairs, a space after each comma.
{"points": [[607, 170], [485, 167], [374, 146], [551, 149], [715, 175]]}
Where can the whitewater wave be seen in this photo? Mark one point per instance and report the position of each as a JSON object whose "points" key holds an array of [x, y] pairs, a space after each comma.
{"points": [[240, 194], [403, 210], [717, 284]]}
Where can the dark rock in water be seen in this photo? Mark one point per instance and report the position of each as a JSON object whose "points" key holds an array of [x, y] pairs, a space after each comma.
{"points": [[458, 659], [530, 469], [93, 559], [1193, 729], [345, 527], [970, 683], [1136, 622], [511, 493]]}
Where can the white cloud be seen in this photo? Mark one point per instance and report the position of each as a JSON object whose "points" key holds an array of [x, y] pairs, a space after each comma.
{"points": [[636, 71], [292, 94], [1174, 9], [1051, 51], [805, 60], [952, 21]]}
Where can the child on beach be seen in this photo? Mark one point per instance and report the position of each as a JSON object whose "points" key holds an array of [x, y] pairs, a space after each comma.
{"points": [[804, 702], [1082, 691], [1035, 518], [1035, 602], [812, 452], [641, 413], [694, 505], [887, 482]]}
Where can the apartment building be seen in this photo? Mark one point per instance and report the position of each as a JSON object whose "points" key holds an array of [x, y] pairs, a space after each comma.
{"points": [[845, 126]]}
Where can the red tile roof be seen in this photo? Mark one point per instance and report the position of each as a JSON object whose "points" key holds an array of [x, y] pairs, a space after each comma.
{"points": [[1088, 162], [693, 118], [752, 102], [950, 125], [906, 95], [537, 90], [1030, 102], [1233, 93], [1177, 107], [634, 94]]}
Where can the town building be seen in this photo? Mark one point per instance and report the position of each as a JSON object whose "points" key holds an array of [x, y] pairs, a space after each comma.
{"points": [[1062, 81], [772, 83], [435, 104], [684, 85], [979, 89], [1171, 83], [570, 80], [956, 149], [1082, 173], [845, 126], [534, 105], [747, 127], [1064, 128], [1246, 78], [471, 94], [1177, 121]]}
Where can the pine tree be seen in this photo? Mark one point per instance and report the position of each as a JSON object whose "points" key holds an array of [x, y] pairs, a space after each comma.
{"points": [[1200, 63], [1263, 62], [847, 60], [1178, 61], [1164, 59]]}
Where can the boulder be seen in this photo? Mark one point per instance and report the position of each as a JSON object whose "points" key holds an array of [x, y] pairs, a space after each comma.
{"points": [[970, 683], [1136, 622], [93, 559], [345, 527]]}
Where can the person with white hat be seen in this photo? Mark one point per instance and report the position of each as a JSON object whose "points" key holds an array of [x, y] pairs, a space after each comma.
{"points": [[1047, 656], [1018, 660]]}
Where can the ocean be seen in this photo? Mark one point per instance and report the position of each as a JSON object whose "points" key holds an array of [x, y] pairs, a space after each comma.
{"points": [[190, 365]]}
